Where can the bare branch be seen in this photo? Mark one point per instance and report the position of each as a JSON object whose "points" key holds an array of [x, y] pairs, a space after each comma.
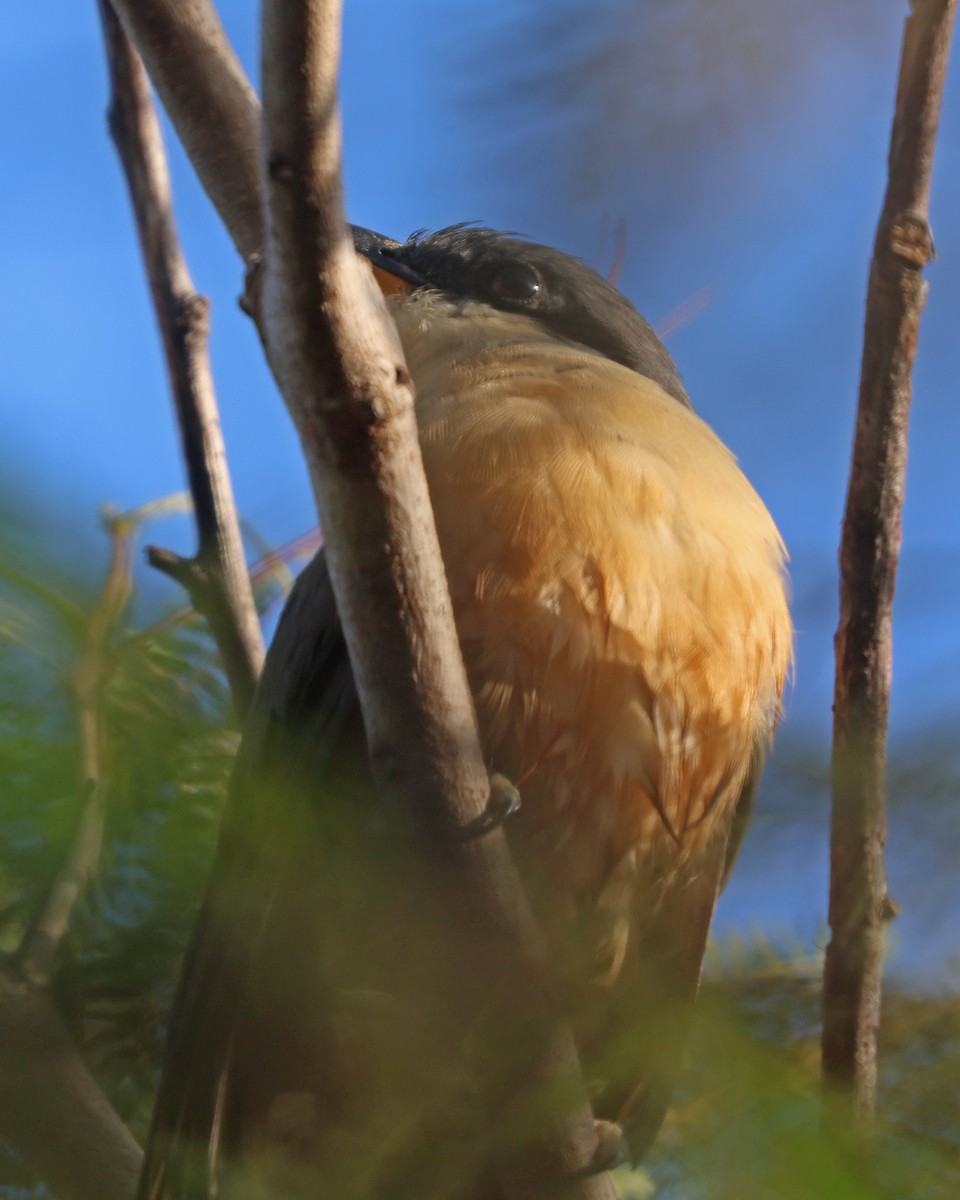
{"points": [[342, 373], [210, 102], [49, 924], [216, 579], [859, 905]]}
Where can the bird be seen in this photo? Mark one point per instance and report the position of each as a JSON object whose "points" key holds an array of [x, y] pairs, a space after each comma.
{"points": [[621, 599]]}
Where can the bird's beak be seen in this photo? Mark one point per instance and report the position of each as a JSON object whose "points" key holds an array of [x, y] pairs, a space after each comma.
{"points": [[390, 273]]}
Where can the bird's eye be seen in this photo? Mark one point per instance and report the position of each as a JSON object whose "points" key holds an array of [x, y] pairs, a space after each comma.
{"points": [[516, 281]]}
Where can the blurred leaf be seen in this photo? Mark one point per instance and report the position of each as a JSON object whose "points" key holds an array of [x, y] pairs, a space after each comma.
{"points": [[648, 100], [746, 1120], [176, 502], [169, 747]]}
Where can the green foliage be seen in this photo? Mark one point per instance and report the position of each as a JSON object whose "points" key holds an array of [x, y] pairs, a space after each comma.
{"points": [[747, 1121], [746, 1124], [167, 744]]}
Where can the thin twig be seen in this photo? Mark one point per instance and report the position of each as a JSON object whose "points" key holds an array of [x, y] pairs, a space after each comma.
{"points": [[341, 370], [859, 905], [50, 922], [273, 568], [216, 579], [210, 102], [685, 312]]}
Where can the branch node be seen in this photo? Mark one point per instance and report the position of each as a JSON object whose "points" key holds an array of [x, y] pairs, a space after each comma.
{"points": [[249, 300], [279, 169], [190, 573], [906, 241], [192, 315], [889, 909]]}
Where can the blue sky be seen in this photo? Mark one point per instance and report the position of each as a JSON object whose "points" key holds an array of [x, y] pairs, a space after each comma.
{"points": [[450, 115]]}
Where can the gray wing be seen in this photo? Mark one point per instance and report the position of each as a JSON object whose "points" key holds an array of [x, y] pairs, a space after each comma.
{"points": [[634, 1033], [743, 813], [248, 1021]]}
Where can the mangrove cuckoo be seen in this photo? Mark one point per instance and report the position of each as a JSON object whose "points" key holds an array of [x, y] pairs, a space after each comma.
{"points": [[619, 592]]}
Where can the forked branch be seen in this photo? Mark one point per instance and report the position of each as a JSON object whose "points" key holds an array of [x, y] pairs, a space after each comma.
{"points": [[210, 102], [216, 579]]}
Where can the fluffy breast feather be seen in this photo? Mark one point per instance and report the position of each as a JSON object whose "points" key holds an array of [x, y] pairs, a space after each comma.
{"points": [[618, 584]]}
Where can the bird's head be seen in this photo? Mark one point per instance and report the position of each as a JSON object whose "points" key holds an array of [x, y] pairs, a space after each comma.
{"points": [[561, 293]]}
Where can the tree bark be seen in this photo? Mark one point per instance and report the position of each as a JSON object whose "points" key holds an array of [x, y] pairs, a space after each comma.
{"points": [[210, 102], [859, 905], [341, 370], [216, 579]]}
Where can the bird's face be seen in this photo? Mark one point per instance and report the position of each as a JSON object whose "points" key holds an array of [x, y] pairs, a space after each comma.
{"points": [[566, 299]]}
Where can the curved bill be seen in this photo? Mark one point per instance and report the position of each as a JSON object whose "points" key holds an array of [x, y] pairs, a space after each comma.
{"points": [[391, 274]]}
